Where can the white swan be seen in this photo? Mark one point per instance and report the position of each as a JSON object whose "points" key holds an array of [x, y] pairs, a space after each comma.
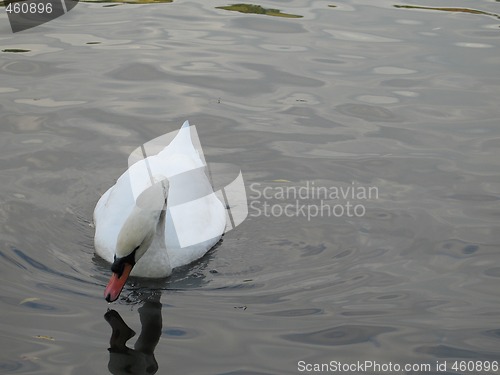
{"points": [[162, 213]]}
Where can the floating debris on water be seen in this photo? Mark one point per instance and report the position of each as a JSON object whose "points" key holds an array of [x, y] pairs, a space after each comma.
{"points": [[257, 9]]}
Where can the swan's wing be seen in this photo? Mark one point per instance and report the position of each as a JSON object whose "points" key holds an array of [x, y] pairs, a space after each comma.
{"points": [[193, 228], [195, 219]]}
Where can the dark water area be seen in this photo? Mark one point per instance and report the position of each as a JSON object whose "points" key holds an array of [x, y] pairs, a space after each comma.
{"points": [[368, 137]]}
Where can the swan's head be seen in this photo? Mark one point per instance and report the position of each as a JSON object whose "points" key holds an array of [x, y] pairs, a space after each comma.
{"points": [[134, 239], [132, 245]]}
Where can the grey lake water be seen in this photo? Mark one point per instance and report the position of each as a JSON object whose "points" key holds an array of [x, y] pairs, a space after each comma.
{"points": [[368, 137]]}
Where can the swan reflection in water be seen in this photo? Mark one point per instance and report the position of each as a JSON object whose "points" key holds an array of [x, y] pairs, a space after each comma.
{"points": [[147, 293], [141, 359]]}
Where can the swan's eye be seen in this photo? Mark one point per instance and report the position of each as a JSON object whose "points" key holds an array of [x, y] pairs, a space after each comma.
{"points": [[118, 266], [119, 263]]}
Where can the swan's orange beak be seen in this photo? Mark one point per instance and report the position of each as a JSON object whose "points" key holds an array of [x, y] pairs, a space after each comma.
{"points": [[116, 283]]}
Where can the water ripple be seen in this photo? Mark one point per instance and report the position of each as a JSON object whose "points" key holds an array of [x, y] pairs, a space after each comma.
{"points": [[341, 335]]}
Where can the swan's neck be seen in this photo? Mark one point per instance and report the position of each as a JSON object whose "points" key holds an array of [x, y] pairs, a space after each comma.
{"points": [[140, 226]]}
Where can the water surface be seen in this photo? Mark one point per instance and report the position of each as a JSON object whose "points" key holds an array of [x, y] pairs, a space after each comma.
{"points": [[353, 93]]}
